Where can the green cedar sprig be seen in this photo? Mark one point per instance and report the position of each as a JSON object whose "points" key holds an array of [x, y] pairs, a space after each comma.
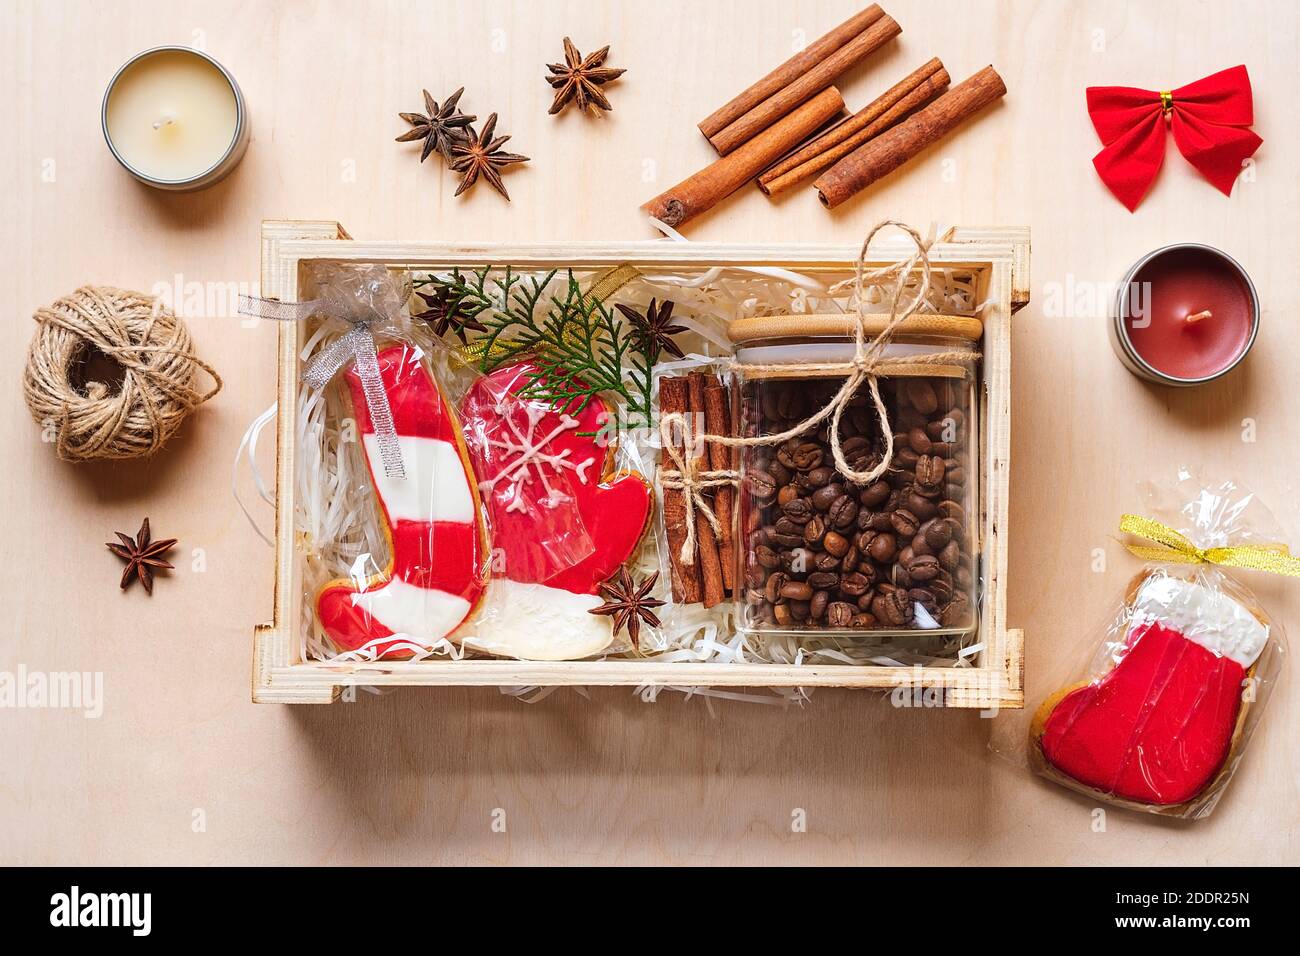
{"points": [[580, 347]]}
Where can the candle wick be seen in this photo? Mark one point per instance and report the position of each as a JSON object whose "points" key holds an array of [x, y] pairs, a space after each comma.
{"points": [[165, 121], [1193, 317]]}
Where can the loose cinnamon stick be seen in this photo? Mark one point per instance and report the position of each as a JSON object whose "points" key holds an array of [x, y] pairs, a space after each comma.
{"points": [[789, 71], [714, 183], [920, 86], [881, 156], [821, 76], [713, 585], [674, 397], [717, 421]]}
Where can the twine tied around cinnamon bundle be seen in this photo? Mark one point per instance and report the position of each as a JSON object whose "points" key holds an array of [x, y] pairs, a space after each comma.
{"points": [[866, 365], [159, 368], [686, 477]]}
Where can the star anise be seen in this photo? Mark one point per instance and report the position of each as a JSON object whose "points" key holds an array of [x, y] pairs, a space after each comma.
{"points": [[445, 315], [629, 604], [579, 80], [480, 153], [440, 127], [142, 555], [653, 330]]}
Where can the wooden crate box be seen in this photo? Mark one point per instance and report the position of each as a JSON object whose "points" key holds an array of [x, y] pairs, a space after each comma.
{"points": [[1000, 258]]}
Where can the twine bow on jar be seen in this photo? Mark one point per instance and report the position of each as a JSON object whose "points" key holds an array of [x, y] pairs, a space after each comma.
{"points": [[368, 300], [868, 361], [866, 365]]}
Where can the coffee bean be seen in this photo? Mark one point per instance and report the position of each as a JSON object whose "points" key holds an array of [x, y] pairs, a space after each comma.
{"points": [[929, 474], [807, 456], [950, 556], [814, 531], [894, 608], [780, 473], [856, 445], [923, 567], [922, 395], [817, 606], [787, 494], [919, 441], [875, 494], [775, 582], [835, 543], [766, 557], [799, 560], [842, 513], [924, 597], [826, 562], [824, 580], [781, 614], [921, 506], [862, 621], [796, 590], [939, 532], [839, 614], [854, 585], [819, 477], [798, 510], [904, 522], [882, 547], [953, 512], [827, 495], [850, 560], [761, 485]]}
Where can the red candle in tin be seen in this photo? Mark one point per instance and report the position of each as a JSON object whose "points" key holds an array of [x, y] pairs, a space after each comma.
{"points": [[1191, 313]]}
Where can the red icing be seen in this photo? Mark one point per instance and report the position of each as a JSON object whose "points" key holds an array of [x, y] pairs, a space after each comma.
{"points": [[349, 625], [441, 555], [599, 526], [1156, 728], [418, 408]]}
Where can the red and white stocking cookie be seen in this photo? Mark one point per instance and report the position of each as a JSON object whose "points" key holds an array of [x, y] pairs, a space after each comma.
{"points": [[1157, 728], [431, 518], [561, 524]]}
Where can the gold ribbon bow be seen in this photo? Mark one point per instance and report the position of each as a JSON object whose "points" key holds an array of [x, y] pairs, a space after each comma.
{"points": [[1172, 546]]}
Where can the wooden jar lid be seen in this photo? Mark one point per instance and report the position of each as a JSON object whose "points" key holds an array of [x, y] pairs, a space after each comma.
{"points": [[841, 325]]}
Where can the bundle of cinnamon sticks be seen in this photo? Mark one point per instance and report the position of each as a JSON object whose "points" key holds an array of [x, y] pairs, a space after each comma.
{"points": [[789, 126], [708, 578]]}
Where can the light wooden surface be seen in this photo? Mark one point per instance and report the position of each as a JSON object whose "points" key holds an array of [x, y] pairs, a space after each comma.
{"points": [[422, 776]]}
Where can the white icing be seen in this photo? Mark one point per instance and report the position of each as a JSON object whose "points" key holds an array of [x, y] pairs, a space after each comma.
{"points": [[533, 458], [424, 614], [537, 623], [435, 488], [1207, 616]]}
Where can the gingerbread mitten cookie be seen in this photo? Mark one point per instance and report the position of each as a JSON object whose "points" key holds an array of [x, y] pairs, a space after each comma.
{"points": [[561, 523]]}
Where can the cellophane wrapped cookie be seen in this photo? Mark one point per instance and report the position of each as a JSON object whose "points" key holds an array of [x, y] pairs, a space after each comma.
{"points": [[428, 488], [1162, 717]]}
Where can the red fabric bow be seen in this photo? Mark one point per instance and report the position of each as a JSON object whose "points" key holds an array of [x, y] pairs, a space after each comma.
{"points": [[1207, 118]]}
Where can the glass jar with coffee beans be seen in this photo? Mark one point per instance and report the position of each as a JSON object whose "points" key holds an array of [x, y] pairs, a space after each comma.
{"points": [[822, 553]]}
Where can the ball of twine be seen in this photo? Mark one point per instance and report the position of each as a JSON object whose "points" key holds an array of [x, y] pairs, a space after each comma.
{"points": [[152, 346]]}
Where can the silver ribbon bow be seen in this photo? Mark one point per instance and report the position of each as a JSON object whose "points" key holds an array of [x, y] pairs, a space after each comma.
{"points": [[356, 306]]}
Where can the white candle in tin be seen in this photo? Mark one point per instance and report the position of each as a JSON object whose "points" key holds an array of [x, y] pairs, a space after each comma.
{"points": [[173, 118]]}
